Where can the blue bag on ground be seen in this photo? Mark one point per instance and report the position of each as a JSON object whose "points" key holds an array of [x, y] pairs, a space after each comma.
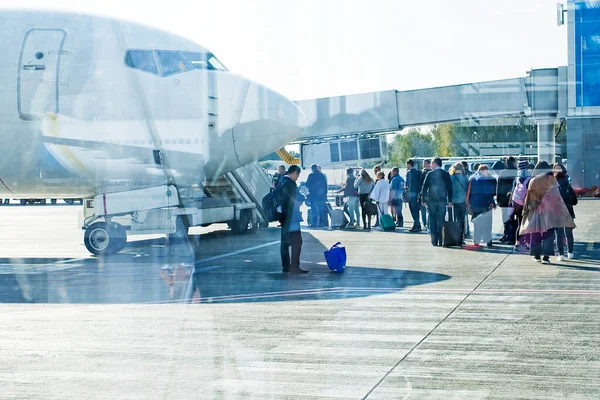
{"points": [[336, 258]]}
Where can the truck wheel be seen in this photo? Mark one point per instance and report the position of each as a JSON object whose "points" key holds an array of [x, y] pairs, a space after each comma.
{"points": [[69, 201], [53, 201], [103, 239], [43, 201], [23, 202], [180, 232], [241, 225]]}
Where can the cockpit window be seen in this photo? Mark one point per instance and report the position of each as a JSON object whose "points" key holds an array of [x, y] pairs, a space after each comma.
{"points": [[142, 59], [172, 62], [204, 61]]}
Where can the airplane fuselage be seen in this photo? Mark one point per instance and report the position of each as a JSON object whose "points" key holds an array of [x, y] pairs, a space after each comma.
{"points": [[94, 105]]}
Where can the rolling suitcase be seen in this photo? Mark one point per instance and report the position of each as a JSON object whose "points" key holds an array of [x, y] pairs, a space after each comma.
{"points": [[338, 219], [451, 231], [387, 223]]}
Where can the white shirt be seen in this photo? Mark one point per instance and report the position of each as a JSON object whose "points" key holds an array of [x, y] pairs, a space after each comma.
{"points": [[381, 191]]}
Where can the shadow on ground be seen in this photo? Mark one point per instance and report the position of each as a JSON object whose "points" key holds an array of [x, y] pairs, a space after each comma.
{"points": [[227, 268]]}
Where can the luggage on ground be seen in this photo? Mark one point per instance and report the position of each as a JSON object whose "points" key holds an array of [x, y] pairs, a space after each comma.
{"points": [[338, 219], [336, 258], [387, 223], [451, 231]]}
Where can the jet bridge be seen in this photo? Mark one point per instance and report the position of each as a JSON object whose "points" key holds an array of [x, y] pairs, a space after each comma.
{"points": [[541, 96]]}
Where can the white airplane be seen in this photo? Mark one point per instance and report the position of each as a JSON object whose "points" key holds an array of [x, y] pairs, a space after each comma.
{"points": [[92, 106]]}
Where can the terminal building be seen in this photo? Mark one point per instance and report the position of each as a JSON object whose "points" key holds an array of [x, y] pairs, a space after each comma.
{"points": [[351, 129]]}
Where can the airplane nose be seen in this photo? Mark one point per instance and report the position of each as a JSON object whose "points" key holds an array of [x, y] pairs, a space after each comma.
{"points": [[263, 120]]}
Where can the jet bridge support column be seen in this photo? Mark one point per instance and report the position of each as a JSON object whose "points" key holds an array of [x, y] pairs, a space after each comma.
{"points": [[545, 140]]}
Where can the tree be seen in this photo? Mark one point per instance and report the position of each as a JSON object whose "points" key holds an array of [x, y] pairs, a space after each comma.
{"points": [[413, 143]]}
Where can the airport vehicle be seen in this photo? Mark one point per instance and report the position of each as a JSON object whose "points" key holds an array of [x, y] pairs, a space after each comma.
{"points": [[149, 128]]}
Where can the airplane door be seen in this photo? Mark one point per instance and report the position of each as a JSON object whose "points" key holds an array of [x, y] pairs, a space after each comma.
{"points": [[38, 74]]}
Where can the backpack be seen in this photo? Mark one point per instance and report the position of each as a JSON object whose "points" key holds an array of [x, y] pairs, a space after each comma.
{"points": [[520, 192], [568, 194], [269, 205]]}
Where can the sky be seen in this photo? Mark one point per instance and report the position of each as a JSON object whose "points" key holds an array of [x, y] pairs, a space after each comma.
{"points": [[318, 48]]}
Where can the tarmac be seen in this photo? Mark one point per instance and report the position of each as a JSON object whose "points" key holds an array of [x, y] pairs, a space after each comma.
{"points": [[217, 319]]}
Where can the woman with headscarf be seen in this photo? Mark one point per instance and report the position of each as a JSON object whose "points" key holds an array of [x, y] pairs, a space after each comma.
{"points": [[570, 198], [544, 210], [480, 199], [364, 184]]}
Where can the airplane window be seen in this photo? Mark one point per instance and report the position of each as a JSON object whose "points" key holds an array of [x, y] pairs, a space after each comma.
{"points": [[172, 62], [141, 59], [204, 61]]}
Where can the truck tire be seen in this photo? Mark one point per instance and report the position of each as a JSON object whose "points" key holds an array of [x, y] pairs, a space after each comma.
{"points": [[53, 201], [103, 239], [180, 233], [69, 201], [239, 226], [23, 202], [43, 201]]}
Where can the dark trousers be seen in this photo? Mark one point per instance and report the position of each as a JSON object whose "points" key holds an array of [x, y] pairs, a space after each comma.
{"points": [[318, 212], [560, 240], [460, 210], [398, 207], [293, 239], [437, 213], [542, 244], [366, 219], [424, 212], [414, 208]]}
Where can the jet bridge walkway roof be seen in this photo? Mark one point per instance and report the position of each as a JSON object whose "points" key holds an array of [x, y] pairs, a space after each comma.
{"points": [[388, 111]]}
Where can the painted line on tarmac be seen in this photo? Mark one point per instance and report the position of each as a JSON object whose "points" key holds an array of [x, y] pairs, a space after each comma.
{"points": [[288, 293], [190, 286]]}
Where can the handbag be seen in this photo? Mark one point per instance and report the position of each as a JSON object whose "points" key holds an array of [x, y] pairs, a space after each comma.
{"points": [[371, 208], [405, 195], [336, 258]]}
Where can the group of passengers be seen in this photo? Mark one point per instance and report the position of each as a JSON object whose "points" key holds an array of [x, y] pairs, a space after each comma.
{"points": [[536, 203]]}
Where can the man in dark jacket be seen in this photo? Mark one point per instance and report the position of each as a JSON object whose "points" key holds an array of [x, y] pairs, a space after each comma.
{"points": [[506, 177], [286, 198], [436, 194], [413, 183], [317, 194], [424, 172]]}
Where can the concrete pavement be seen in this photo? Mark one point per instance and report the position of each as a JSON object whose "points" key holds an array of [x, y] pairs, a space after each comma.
{"points": [[405, 321]]}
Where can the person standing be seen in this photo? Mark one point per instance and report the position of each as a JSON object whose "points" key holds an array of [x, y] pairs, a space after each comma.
{"points": [[317, 194], [570, 198], [365, 185], [278, 175], [381, 194], [544, 211], [424, 172], [290, 199], [436, 194], [480, 198], [397, 186], [413, 182], [459, 194], [506, 177], [352, 194]]}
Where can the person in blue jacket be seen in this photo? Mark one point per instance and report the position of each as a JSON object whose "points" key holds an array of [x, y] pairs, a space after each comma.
{"points": [[480, 199]]}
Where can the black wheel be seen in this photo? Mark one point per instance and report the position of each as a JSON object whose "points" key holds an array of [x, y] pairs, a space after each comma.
{"points": [[69, 201], [53, 201], [180, 233], [43, 201], [23, 202], [103, 238], [81, 201], [119, 236], [240, 226]]}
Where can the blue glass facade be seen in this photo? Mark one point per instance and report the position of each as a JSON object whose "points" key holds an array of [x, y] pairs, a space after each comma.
{"points": [[587, 53]]}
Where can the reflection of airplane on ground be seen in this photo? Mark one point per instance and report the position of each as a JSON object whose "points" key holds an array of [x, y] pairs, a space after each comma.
{"points": [[128, 115]]}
